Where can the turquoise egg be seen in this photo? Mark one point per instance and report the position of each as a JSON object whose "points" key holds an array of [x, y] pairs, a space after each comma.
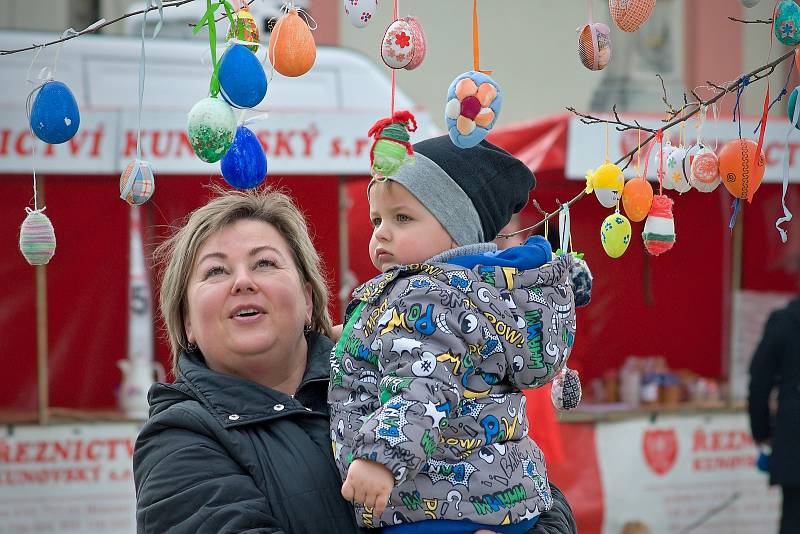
{"points": [[787, 22], [54, 114], [242, 81], [790, 107], [244, 165]]}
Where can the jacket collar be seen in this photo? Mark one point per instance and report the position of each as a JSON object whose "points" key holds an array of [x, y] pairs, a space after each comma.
{"points": [[236, 401]]}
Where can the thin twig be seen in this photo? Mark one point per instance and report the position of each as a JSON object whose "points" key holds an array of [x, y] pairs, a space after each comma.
{"points": [[752, 75], [757, 21], [95, 29], [621, 126]]}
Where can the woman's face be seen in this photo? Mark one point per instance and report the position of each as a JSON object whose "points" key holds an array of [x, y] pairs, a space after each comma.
{"points": [[246, 304]]}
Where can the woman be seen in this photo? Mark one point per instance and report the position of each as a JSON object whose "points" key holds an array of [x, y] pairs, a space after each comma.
{"points": [[240, 442]]}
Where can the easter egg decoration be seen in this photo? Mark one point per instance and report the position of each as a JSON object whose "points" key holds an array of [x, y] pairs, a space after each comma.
{"points": [[594, 45], [637, 197], [566, 391], [419, 41], [292, 50], [740, 170], [704, 173], [54, 114], [37, 239], [360, 12], [792, 103], [660, 156], [473, 105], [211, 127], [659, 228], [607, 182], [787, 22], [629, 15], [244, 166], [391, 148], [242, 81], [244, 28], [673, 174], [397, 47], [615, 234], [136, 183]]}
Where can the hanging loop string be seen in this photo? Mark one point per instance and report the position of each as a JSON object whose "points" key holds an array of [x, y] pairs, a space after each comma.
{"points": [[564, 229], [209, 20], [783, 92], [745, 81], [476, 62]]}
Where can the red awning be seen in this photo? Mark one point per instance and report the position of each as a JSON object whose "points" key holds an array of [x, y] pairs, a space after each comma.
{"points": [[540, 143]]}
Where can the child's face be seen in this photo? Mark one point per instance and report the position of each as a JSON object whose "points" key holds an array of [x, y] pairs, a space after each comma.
{"points": [[403, 230]]}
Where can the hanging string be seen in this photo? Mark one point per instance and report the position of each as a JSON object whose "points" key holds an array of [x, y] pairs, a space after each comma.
{"points": [[395, 15], [660, 140], [787, 215], [781, 94], [141, 88], [209, 20], [475, 48], [737, 203], [745, 81], [564, 241], [639, 153], [606, 141], [546, 225]]}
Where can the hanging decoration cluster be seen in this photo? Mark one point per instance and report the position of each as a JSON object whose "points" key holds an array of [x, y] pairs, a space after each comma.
{"points": [[594, 38]]}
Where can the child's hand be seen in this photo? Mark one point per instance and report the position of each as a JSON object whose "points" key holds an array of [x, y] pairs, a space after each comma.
{"points": [[368, 483], [336, 332]]}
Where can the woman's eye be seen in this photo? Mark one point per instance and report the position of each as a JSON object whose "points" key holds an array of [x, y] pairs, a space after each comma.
{"points": [[215, 271], [265, 263], [376, 221]]}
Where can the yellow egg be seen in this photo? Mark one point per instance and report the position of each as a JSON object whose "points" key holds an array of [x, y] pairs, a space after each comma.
{"points": [[615, 234], [607, 182]]}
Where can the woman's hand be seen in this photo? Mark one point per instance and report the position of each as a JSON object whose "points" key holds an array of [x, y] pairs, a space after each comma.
{"points": [[368, 483]]}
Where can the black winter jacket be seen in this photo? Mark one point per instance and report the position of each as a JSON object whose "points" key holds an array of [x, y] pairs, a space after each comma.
{"points": [[223, 454], [776, 363]]}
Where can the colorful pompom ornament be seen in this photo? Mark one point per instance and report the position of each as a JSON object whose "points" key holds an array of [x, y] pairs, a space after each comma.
{"points": [[629, 15], [244, 166], [360, 12], [211, 127], [607, 182], [673, 176], [37, 239], [566, 391], [292, 51], [244, 28], [704, 174], [242, 81], [391, 148], [787, 22], [740, 170], [615, 234], [54, 114], [594, 45], [473, 104], [136, 183], [659, 229], [637, 197]]}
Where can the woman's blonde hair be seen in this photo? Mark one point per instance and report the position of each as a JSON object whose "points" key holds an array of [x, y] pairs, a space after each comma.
{"points": [[178, 252]]}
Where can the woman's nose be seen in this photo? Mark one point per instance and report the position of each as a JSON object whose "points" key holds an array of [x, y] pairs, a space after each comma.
{"points": [[243, 282]]}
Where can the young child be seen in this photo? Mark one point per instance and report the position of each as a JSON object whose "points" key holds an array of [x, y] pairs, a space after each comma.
{"points": [[427, 417]]}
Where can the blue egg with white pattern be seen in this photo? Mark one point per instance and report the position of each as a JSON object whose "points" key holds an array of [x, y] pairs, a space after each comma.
{"points": [[244, 166], [54, 114], [242, 81]]}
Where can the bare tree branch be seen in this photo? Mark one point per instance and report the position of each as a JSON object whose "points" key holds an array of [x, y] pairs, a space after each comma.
{"points": [[757, 21]]}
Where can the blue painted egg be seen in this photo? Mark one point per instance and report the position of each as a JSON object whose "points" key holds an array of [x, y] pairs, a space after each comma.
{"points": [[244, 165], [54, 114], [242, 81], [787, 22]]}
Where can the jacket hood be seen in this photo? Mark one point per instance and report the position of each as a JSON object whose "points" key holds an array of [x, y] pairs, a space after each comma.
{"points": [[233, 400]]}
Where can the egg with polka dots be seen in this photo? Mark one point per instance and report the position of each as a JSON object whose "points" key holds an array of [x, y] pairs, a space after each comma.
{"points": [[615, 234]]}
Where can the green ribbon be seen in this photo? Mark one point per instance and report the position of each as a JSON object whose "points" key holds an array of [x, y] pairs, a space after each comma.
{"points": [[209, 18], [578, 255]]}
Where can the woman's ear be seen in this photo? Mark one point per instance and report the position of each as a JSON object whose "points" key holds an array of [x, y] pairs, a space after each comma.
{"points": [[187, 328]]}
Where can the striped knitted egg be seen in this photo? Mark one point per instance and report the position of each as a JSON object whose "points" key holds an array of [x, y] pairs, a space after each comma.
{"points": [[37, 239], [136, 183], [659, 228]]}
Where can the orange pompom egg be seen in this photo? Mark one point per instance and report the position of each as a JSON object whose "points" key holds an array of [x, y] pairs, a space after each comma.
{"points": [[740, 169], [292, 50], [637, 197]]}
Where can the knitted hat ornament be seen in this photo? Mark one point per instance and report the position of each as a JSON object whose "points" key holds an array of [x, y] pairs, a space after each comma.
{"points": [[659, 228], [136, 183], [37, 239], [391, 148], [566, 391]]}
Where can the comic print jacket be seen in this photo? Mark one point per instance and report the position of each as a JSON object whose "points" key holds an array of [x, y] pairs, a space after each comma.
{"points": [[426, 380]]}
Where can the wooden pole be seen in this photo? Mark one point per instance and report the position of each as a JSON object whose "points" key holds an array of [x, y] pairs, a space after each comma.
{"points": [[41, 328]]}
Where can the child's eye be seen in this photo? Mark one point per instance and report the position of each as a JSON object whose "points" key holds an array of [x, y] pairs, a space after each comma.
{"points": [[376, 221], [214, 271], [403, 218], [265, 263]]}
